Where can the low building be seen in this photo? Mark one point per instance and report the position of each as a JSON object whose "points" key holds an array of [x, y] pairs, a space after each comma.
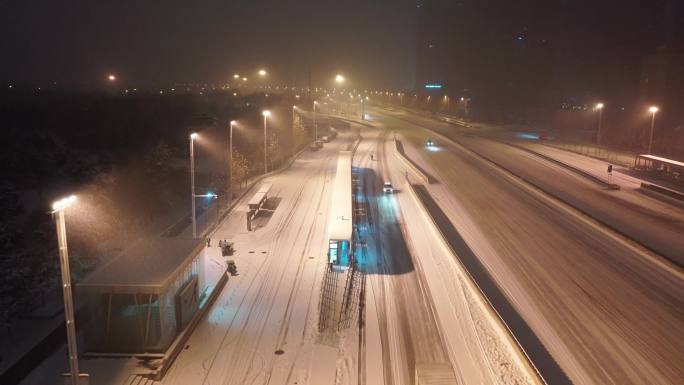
{"points": [[145, 296]]}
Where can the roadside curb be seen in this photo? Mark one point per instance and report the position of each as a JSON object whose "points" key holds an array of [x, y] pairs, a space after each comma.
{"points": [[178, 345]]}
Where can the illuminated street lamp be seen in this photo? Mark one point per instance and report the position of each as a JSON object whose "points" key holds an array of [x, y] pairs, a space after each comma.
{"points": [[363, 108], [244, 79], [465, 106], [314, 119], [266, 114], [58, 209], [599, 108], [193, 136], [262, 72], [339, 79], [230, 149], [653, 111], [111, 77], [236, 76]]}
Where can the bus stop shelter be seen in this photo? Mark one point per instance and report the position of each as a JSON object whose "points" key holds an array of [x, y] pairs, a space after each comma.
{"points": [[144, 297]]}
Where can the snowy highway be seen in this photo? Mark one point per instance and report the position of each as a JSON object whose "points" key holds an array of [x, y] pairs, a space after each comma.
{"points": [[409, 331], [609, 311], [264, 326]]}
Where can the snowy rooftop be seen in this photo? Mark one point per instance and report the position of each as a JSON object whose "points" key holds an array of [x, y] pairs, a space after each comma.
{"points": [[148, 266], [664, 160], [341, 205]]}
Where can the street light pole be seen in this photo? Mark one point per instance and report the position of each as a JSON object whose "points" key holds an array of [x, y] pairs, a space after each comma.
{"points": [[293, 142], [230, 149], [192, 183], [599, 107], [363, 109], [60, 223], [653, 111], [266, 115], [315, 125], [465, 107]]}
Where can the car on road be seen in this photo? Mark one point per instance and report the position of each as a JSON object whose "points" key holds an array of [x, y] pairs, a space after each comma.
{"points": [[325, 139], [387, 188], [316, 145], [339, 124], [430, 143]]}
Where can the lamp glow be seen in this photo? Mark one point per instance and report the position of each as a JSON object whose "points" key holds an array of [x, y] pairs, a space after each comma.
{"points": [[64, 203]]}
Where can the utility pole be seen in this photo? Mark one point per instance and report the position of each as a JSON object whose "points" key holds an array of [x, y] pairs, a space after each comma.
{"points": [[599, 107], [266, 114], [60, 223], [192, 184], [230, 149]]}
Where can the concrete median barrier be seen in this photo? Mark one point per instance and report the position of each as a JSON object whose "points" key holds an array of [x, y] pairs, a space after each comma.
{"points": [[410, 165]]}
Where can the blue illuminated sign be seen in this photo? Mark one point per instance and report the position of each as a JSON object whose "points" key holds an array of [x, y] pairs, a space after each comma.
{"points": [[433, 86]]}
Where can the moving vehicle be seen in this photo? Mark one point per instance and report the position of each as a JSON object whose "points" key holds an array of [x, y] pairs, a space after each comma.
{"points": [[387, 188], [316, 145], [325, 139], [339, 124]]}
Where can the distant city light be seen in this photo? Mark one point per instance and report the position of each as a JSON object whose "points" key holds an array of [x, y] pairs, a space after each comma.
{"points": [[653, 109], [429, 85], [236, 76], [339, 78], [111, 77], [262, 72], [599, 106]]}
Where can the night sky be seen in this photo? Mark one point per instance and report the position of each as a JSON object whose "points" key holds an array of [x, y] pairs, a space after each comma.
{"points": [[158, 42]]}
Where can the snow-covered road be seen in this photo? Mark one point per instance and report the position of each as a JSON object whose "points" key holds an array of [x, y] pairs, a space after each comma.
{"points": [[607, 313], [262, 328]]}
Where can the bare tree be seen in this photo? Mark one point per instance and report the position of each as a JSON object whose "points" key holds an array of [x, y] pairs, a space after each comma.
{"points": [[240, 169]]}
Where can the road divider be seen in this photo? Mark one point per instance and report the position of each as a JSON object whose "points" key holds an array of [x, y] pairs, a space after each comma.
{"points": [[566, 206], [594, 178], [662, 193], [529, 349], [411, 165]]}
